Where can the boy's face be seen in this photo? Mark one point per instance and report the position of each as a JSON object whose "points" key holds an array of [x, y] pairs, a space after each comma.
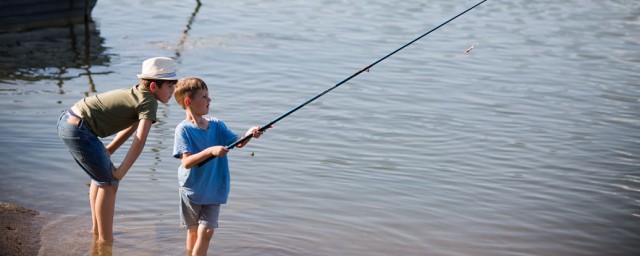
{"points": [[200, 102], [163, 93]]}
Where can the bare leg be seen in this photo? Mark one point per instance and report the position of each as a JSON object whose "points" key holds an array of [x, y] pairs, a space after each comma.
{"points": [[192, 236], [93, 192], [105, 208], [202, 243]]}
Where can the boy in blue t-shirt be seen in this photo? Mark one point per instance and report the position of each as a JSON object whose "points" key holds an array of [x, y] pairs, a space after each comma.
{"points": [[202, 189]]}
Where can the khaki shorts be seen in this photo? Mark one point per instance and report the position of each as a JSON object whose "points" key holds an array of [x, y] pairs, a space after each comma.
{"points": [[192, 215]]}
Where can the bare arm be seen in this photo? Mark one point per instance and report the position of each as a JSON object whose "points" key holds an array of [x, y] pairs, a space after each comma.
{"points": [[188, 160], [120, 138], [254, 131], [137, 145]]}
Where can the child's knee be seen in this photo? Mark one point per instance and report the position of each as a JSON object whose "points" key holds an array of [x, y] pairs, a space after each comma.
{"points": [[206, 231]]}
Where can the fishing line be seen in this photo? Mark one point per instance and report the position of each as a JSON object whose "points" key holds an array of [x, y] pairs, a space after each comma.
{"points": [[268, 125]]}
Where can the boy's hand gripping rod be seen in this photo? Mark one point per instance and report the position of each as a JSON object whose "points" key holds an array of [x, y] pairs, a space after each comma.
{"points": [[270, 124]]}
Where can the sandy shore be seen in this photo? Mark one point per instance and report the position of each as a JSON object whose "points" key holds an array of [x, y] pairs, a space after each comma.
{"points": [[29, 232], [20, 230]]}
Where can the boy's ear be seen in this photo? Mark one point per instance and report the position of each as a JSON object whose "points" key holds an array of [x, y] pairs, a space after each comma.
{"points": [[187, 101], [153, 87]]}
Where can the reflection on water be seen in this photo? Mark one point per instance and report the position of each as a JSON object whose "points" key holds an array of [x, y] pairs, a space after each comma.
{"points": [[156, 146], [24, 15], [50, 53], [185, 32], [100, 248]]}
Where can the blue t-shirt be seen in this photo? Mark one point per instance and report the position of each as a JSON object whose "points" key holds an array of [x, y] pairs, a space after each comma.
{"points": [[210, 183]]}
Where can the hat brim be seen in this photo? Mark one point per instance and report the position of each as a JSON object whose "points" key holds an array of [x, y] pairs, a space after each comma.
{"points": [[157, 78]]}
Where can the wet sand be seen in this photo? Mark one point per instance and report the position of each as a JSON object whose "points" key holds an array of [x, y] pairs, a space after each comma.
{"points": [[21, 229], [29, 232]]}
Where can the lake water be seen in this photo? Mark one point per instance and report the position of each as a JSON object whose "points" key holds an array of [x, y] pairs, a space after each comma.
{"points": [[528, 145]]}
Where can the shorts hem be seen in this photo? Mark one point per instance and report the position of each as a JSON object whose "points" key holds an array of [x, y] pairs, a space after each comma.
{"points": [[105, 183], [208, 224], [189, 226]]}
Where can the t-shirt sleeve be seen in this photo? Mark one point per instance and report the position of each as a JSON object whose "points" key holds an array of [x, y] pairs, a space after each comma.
{"points": [[180, 145], [228, 135], [148, 109]]}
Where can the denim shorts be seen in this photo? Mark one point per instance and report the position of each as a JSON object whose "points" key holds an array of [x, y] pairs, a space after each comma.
{"points": [[87, 150], [191, 215]]}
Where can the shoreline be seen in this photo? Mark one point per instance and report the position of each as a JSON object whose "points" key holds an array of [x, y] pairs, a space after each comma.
{"points": [[29, 232], [21, 228]]}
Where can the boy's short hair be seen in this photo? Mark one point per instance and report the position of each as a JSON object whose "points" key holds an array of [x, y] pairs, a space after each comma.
{"points": [[147, 82], [188, 87]]}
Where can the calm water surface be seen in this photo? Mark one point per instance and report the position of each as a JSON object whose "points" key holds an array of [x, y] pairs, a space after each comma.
{"points": [[528, 145]]}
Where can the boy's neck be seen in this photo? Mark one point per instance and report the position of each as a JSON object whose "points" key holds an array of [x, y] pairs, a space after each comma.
{"points": [[198, 120]]}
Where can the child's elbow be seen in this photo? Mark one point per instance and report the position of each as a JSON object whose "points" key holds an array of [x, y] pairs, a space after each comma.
{"points": [[187, 165]]}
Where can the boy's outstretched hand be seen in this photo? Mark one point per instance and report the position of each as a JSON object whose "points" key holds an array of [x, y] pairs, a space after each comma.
{"points": [[254, 132]]}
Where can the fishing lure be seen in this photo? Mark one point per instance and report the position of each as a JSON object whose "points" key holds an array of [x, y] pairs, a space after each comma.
{"points": [[471, 48]]}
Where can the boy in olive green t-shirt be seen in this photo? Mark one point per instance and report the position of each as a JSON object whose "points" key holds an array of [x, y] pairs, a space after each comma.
{"points": [[125, 112]]}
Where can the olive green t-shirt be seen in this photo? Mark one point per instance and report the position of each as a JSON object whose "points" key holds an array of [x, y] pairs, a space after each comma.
{"points": [[113, 111]]}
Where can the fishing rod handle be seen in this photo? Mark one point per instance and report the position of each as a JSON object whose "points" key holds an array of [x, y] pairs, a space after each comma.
{"points": [[230, 146]]}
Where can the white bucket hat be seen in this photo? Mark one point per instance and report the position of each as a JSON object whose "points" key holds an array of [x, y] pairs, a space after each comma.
{"points": [[159, 68]]}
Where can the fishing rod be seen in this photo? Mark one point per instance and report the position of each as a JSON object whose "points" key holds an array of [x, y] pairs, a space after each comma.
{"points": [[270, 124]]}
